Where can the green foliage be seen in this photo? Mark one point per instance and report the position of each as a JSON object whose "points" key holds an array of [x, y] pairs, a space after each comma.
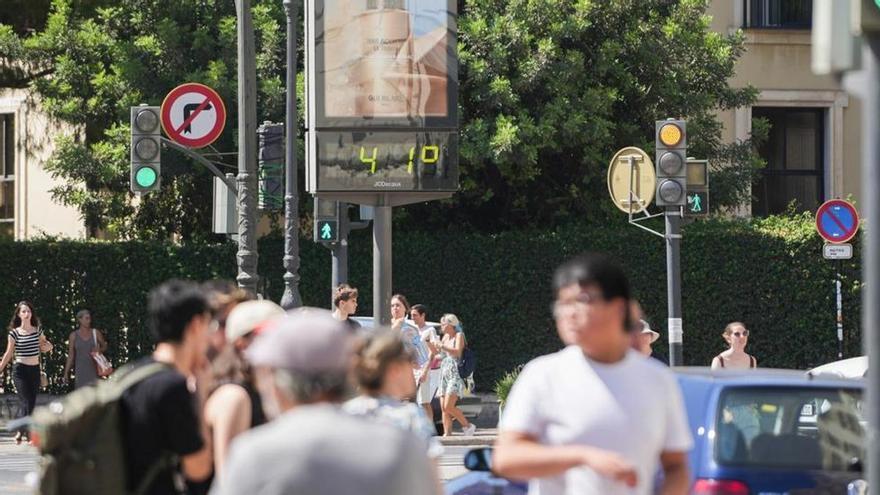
{"points": [[550, 89], [767, 273], [103, 57], [505, 383]]}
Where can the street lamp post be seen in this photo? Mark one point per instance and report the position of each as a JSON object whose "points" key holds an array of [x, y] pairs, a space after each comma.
{"points": [[247, 149], [291, 298]]}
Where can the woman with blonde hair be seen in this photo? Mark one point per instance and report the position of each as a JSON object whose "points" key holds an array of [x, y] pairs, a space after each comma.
{"points": [[737, 337], [452, 344]]}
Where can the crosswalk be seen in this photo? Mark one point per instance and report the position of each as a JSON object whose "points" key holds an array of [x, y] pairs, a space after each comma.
{"points": [[17, 462]]}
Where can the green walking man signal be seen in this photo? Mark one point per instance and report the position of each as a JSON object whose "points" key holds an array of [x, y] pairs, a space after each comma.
{"points": [[326, 230], [327, 220]]}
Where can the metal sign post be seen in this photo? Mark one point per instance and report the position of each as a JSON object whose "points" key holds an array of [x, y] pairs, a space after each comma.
{"points": [[673, 283]]}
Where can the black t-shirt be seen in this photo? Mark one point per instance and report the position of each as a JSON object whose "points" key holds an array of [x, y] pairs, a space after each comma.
{"points": [[353, 325], [158, 416]]}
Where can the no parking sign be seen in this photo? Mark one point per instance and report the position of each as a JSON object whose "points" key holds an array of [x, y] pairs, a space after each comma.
{"points": [[837, 221], [193, 115]]}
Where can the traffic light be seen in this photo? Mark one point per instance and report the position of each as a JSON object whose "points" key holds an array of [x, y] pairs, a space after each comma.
{"points": [[697, 188], [146, 149], [671, 155], [327, 220]]}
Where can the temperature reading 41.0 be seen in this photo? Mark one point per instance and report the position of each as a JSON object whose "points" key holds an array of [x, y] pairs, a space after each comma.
{"points": [[429, 155]]}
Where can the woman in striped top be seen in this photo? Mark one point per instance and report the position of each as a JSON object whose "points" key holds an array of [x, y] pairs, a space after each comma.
{"points": [[26, 341]]}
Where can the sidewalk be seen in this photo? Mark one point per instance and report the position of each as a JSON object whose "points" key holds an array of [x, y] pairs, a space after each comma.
{"points": [[480, 438]]}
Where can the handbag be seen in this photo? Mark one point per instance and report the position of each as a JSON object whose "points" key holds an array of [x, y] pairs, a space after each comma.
{"points": [[102, 365], [44, 378]]}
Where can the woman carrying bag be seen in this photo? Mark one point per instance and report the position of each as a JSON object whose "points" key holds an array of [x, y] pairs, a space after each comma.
{"points": [[25, 342], [84, 344]]}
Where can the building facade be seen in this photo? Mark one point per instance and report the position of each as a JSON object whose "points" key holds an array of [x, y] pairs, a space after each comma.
{"points": [[813, 152], [27, 140]]}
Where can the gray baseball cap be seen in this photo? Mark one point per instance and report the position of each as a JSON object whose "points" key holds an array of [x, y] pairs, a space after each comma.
{"points": [[307, 340]]}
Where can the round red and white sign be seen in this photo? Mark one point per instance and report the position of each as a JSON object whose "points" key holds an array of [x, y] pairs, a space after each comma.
{"points": [[193, 115]]}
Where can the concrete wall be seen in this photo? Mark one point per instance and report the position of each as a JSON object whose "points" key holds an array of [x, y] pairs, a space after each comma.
{"points": [[35, 211], [777, 62]]}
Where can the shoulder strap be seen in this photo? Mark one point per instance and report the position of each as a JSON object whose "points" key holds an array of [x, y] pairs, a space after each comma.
{"points": [[720, 360], [165, 461], [95, 337], [754, 362], [127, 378]]}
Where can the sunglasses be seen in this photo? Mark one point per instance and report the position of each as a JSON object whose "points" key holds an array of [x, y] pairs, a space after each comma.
{"points": [[744, 333]]}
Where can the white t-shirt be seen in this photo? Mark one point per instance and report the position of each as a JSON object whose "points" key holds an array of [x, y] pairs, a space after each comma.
{"points": [[633, 407]]}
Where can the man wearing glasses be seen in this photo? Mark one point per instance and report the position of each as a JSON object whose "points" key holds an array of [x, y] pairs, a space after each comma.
{"points": [[585, 420]]}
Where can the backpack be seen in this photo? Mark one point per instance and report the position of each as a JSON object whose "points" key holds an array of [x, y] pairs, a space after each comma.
{"points": [[468, 363], [80, 439]]}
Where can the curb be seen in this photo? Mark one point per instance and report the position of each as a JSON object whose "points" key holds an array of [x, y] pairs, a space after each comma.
{"points": [[478, 440]]}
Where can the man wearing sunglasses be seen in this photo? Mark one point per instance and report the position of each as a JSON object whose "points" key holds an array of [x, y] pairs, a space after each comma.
{"points": [[596, 417]]}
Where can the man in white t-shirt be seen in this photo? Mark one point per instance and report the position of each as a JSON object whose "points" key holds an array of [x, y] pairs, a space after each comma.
{"points": [[596, 417], [427, 386]]}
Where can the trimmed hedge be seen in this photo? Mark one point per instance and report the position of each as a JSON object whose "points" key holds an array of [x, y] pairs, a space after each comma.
{"points": [[767, 273]]}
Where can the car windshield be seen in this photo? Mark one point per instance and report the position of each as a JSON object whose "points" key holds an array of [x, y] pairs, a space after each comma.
{"points": [[800, 428]]}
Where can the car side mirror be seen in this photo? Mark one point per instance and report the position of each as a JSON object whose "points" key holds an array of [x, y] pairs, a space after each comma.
{"points": [[479, 459]]}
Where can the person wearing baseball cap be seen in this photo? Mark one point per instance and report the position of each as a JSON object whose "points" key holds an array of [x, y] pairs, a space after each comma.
{"points": [[302, 363]]}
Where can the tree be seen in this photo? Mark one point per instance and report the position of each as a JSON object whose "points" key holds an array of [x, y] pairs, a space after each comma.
{"points": [[550, 89], [91, 62]]}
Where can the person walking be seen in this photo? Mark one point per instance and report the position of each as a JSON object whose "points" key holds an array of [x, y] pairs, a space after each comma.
{"points": [[160, 417], [412, 339], [80, 345], [451, 384], [429, 377], [735, 357], [303, 362], [345, 303], [25, 342], [585, 420]]}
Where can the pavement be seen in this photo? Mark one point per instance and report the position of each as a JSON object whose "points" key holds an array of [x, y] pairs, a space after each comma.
{"points": [[16, 461]]}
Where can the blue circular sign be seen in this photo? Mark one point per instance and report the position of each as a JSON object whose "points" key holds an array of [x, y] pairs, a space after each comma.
{"points": [[837, 221]]}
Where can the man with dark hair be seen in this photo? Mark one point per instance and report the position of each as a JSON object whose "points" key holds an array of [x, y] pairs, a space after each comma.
{"points": [[429, 374], [596, 417], [161, 421], [345, 303]]}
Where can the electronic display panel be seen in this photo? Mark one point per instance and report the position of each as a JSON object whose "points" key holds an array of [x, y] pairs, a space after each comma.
{"points": [[386, 161]]}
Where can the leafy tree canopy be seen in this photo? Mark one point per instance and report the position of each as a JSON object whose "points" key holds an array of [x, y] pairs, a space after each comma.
{"points": [[550, 89]]}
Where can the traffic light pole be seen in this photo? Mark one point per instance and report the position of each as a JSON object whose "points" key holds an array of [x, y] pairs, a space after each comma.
{"points": [[339, 250], [673, 284], [247, 149], [291, 297], [382, 265], [871, 250]]}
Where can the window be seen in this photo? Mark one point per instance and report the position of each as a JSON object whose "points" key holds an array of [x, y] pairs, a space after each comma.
{"points": [[791, 427], [7, 175], [794, 153], [779, 14]]}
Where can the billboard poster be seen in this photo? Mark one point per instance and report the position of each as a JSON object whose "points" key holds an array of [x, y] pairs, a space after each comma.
{"points": [[386, 61]]}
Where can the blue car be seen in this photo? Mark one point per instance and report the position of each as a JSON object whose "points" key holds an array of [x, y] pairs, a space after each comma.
{"points": [[773, 432], [763, 432]]}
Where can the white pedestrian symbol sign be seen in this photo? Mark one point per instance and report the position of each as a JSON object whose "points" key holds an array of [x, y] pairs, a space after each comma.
{"points": [[326, 231]]}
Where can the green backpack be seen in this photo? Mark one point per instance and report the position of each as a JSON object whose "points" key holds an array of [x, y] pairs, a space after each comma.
{"points": [[80, 439]]}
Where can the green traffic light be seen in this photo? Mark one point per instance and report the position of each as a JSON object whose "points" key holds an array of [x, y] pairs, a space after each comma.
{"points": [[145, 177]]}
